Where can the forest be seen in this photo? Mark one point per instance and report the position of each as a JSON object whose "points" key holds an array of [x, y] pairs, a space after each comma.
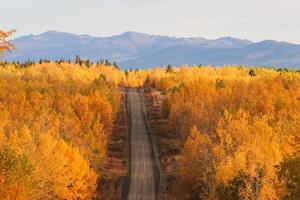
{"points": [[238, 128], [54, 123]]}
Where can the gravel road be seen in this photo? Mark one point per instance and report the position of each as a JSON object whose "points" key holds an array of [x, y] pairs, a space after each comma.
{"points": [[142, 182]]}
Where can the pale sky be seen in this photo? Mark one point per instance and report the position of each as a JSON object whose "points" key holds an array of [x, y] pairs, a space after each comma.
{"points": [[248, 19]]}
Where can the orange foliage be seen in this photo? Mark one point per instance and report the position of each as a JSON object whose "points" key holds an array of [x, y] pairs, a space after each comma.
{"points": [[235, 127], [56, 117]]}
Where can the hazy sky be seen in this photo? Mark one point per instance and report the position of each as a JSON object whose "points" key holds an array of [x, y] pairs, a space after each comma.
{"points": [[252, 19]]}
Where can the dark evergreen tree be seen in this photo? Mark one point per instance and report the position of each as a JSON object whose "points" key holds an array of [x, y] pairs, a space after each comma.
{"points": [[169, 69], [115, 65]]}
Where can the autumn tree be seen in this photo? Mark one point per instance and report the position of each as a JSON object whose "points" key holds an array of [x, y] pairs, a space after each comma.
{"points": [[15, 175], [289, 174], [243, 125], [5, 45], [54, 119]]}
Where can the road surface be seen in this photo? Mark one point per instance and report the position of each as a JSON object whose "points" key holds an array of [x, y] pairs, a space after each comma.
{"points": [[142, 182]]}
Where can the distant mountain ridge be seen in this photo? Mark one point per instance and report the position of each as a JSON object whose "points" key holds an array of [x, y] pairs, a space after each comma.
{"points": [[140, 50]]}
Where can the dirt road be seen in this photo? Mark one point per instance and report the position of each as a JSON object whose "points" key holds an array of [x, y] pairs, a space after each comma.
{"points": [[142, 182]]}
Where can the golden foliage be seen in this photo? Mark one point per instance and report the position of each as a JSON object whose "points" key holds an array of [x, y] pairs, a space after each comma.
{"points": [[236, 125], [54, 121]]}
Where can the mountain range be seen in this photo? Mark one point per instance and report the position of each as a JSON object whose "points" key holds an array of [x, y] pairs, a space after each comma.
{"points": [[140, 50]]}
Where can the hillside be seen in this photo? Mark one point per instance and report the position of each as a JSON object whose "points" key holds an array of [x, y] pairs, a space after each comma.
{"points": [[132, 50]]}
